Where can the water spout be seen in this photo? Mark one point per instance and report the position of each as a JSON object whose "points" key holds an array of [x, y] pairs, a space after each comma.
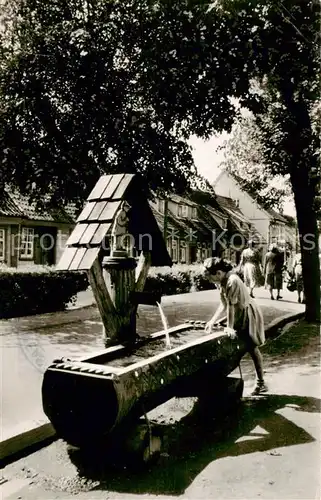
{"points": [[165, 325]]}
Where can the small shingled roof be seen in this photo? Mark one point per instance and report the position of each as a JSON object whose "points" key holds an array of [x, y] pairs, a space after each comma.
{"points": [[14, 204], [8, 208], [94, 224]]}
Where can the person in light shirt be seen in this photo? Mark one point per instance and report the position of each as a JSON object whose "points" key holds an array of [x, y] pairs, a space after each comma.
{"points": [[243, 315], [250, 264], [297, 273]]}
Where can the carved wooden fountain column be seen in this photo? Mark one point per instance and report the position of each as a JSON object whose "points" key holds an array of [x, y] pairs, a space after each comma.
{"points": [[117, 297], [123, 282], [116, 213]]}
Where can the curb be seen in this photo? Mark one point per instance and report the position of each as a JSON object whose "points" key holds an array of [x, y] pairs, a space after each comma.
{"points": [[17, 445], [60, 323], [276, 324], [26, 442]]}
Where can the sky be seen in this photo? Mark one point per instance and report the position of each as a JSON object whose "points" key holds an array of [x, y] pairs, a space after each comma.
{"points": [[207, 161], [206, 158]]}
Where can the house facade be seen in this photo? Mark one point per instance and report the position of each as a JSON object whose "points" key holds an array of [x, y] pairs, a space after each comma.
{"points": [[240, 228], [270, 226], [198, 227], [28, 236], [188, 238]]}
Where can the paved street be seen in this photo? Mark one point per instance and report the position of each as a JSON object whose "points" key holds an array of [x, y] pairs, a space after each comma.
{"points": [[274, 441], [29, 344]]}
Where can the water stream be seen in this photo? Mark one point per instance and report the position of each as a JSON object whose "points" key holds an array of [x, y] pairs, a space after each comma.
{"points": [[165, 325]]}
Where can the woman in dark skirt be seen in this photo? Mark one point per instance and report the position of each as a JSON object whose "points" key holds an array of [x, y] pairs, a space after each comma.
{"points": [[273, 268]]}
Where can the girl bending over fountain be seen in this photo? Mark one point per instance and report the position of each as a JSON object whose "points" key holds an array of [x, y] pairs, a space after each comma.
{"points": [[243, 315]]}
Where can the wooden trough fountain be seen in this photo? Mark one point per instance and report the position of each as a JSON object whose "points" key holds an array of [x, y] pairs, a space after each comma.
{"points": [[116, 240]]}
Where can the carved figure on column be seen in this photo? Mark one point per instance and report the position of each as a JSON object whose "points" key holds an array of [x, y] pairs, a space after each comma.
{"points": [[120, 227]]}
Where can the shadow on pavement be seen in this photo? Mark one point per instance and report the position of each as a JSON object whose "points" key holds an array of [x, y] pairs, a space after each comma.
{"points": [[197, 440]]}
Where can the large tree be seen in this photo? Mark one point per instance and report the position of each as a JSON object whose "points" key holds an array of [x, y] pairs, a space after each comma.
{"points": [[94, 86], [286, 57], [244, 159]]}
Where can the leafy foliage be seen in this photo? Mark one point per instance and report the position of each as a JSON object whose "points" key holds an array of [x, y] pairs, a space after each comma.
{"points": [[245, 161], [286, 60], [105, 86], [181, 278], [93, 86], [20, 291]]}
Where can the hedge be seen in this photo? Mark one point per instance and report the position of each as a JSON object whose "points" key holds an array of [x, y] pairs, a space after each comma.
{"points": [[24, 293], [177, 279], [38, 290]]}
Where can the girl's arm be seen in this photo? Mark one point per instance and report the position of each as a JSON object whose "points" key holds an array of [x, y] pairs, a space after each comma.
{"points": [[220, 313], [230, 315], [229, 330]]}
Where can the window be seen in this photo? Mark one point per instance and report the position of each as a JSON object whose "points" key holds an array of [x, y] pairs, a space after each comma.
{"points": [[174, 250], [26, 248], [194, 213], [161, 206], [2, 244], [183, 252], [182, 210], [204, 251]]}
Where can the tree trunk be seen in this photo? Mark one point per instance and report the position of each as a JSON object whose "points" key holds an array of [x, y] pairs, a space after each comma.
{"points": [[308, 234], [304, 179]]}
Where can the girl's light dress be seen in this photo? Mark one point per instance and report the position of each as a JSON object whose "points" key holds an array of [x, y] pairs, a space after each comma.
{"points": [[248, 320]]}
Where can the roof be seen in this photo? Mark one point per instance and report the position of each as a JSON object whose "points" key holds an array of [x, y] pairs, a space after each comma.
{"points": [[8, 208], [90, 237], [212, 210], [230, 206], [275, 215], [269, 211], [179, 199], [14, 204], [203, 224], [291, 221]]}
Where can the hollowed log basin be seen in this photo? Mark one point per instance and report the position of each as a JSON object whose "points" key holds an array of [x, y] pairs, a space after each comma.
{"points": [[93, 397]]}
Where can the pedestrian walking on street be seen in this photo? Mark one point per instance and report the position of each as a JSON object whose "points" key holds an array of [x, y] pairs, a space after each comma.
{"points": [[269, 269], [297, 273], [273, 269], [279, 268], [250, 264], [243, 315]]}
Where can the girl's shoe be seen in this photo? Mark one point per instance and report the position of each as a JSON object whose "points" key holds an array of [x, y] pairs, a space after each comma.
{"points": [[261, 388]]}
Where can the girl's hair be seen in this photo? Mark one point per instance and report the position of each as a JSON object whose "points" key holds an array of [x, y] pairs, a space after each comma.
{"points": [[214, 264]]}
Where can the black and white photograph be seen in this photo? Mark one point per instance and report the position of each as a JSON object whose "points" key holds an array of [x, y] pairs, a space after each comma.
{"points": [[160, 249]]}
